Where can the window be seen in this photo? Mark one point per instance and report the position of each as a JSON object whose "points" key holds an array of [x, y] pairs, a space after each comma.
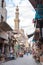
{"points": [[1, 18], [2, 3]]}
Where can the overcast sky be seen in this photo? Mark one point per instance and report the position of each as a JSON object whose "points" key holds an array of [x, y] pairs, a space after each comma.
{"points": [[26, 14]]}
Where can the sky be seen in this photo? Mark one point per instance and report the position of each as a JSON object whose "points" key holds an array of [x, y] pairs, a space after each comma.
{"points": [[26, 14]]}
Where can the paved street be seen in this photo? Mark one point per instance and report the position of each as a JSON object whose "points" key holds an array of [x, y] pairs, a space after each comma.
{"points": [[26, 60]]}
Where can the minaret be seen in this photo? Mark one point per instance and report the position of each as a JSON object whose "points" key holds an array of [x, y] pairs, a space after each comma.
{"points": [[17, 19]]}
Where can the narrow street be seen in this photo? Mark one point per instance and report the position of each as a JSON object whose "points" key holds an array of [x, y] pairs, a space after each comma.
{"points": [[26, 60], [21, 32]]}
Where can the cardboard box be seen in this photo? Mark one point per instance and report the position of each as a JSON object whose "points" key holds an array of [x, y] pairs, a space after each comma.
{"points": [[41, 58]]}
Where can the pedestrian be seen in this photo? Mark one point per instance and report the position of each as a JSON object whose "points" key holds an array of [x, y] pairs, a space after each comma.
{"points": [[27, 52]]}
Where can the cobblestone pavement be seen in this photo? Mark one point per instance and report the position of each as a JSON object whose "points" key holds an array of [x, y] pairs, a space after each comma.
{"points": [[26, 60]]}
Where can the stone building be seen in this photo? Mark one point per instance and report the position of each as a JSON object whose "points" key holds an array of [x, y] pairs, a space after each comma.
{"points": [[38, 21], [4, 27], [19, 33], [3, 11], [16, 20]]}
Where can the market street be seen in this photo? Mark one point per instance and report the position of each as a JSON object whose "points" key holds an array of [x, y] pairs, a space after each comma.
{"points": [[26, 60]]}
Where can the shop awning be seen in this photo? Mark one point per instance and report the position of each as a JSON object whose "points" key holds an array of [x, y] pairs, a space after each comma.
{"points": [[4, 35], [5, 27], [30, 35], [33, 2]]}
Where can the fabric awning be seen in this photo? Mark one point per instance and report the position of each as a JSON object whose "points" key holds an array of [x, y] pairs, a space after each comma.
{"points": [[39, 12]]}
